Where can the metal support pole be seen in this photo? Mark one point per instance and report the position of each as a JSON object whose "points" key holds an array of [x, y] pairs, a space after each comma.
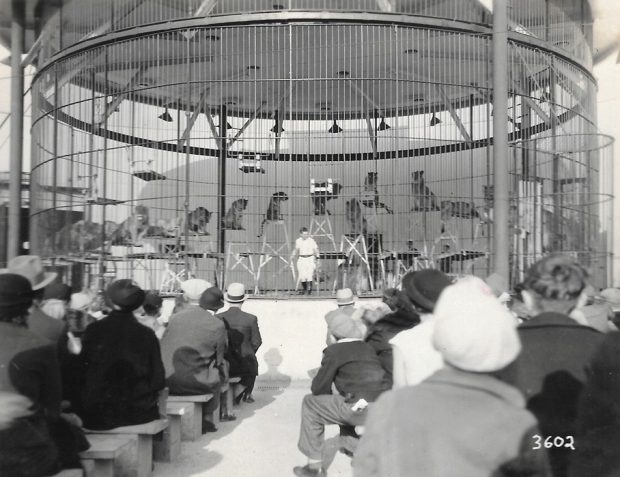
{"points": [[501, 233], [17, 131], [221, 182]]}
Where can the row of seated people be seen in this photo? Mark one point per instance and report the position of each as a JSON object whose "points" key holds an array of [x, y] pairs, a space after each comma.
{"points": [[54, 384], [466, 379]]}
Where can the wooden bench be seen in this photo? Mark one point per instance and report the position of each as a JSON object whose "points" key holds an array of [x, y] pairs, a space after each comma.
{"points": [[169, 448], [99, 459], [70, 473], [140, 463], [191, 422]]}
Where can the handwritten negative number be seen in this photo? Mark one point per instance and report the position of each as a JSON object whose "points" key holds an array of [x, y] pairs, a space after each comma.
{"points": [[550, 441]]}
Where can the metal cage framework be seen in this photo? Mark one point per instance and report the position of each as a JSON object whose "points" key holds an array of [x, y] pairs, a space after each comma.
{"points": [[202, 145]]}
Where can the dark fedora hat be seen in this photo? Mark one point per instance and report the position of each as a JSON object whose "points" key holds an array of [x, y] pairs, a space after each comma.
{"points": [[212, 299], [125, 294], [424, 287]]}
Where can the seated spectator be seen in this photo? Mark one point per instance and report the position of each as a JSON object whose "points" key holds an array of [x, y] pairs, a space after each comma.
{"points": [[193, 350], [418, 295], [31, 267], [345, 301], [56, 297], [213, 300], [596, 312], [597, 428], [78, 316], [354, 369], [150, 312], [461, 421], [415, 357], [36, 439], [551, 370], [244, 339], [123, 372], [612, 297]]}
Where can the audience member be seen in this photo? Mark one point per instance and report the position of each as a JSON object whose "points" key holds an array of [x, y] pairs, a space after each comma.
{"points": [[596, 312], [244, 339], [55, 302], [31, 267], [461, 420], [213, 300], [419, 292], [597, 428], [36, 439], [78, 314], [150, 313], [612, 297], [354, 369], [193, 350], [122, 362], [415, 357], [345, 301], [551, 369]]}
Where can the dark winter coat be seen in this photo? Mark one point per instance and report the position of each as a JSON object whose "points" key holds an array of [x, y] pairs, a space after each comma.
{"points": [[381, 332], [550, 371], [244, 339], [354, 368], [123, 373]]}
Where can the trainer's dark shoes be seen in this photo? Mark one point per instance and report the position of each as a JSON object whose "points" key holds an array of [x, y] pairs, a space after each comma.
{"points": [[307, 471], [248, 398], [228, 417]]}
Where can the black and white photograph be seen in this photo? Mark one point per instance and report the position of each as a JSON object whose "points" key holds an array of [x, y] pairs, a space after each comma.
{"points": [[355, 238]]}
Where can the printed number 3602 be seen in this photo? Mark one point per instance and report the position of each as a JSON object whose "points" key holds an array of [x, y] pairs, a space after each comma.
{"points": [[551, 441]]}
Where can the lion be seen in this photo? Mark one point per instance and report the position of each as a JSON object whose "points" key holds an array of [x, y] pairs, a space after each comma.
{"points": [[274, 210], [424, 198], [232, 219], [133, 229], [84, 236], [197, 222]]}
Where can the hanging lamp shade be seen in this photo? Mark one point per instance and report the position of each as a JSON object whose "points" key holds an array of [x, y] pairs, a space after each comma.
{"points": [[435, 120], [165, 116], [277, 128], [335, 129], [383, 126]]}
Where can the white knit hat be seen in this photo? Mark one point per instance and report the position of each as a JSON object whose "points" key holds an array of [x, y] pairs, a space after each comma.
{"points": [[473, 331], [194, 288]]}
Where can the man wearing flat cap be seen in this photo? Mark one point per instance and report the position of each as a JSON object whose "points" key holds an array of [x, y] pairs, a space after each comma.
{"points": [[353, 368], [122, 360], [193, 347]]}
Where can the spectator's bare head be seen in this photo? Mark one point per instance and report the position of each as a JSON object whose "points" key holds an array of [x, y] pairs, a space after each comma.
{"points": [[423, 288], [554, 283], [152, 303], [212, 299], [16, 297]]}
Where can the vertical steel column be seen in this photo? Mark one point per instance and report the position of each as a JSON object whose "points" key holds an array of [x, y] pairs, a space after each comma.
{"points": [[501, 235], [17, 130], [221, 184]]}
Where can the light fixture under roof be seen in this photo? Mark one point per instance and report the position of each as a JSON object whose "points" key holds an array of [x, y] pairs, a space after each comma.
{"points": [[334, 129], [435, 120], [165, 116], [252, 67], [343, 74], [211, 37], [277, 128], [410, 51], [383, 126]]}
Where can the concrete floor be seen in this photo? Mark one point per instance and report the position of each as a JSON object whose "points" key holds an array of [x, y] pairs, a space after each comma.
{"points": [[262, 442]]}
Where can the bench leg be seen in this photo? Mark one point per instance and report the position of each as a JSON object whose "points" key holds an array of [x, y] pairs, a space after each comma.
{"points": [[168, 448], [104, 468], [145, 455], [191, 423]]}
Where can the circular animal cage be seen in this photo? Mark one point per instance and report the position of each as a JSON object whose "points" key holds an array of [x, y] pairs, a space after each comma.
{"points": [[180, 139]]}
